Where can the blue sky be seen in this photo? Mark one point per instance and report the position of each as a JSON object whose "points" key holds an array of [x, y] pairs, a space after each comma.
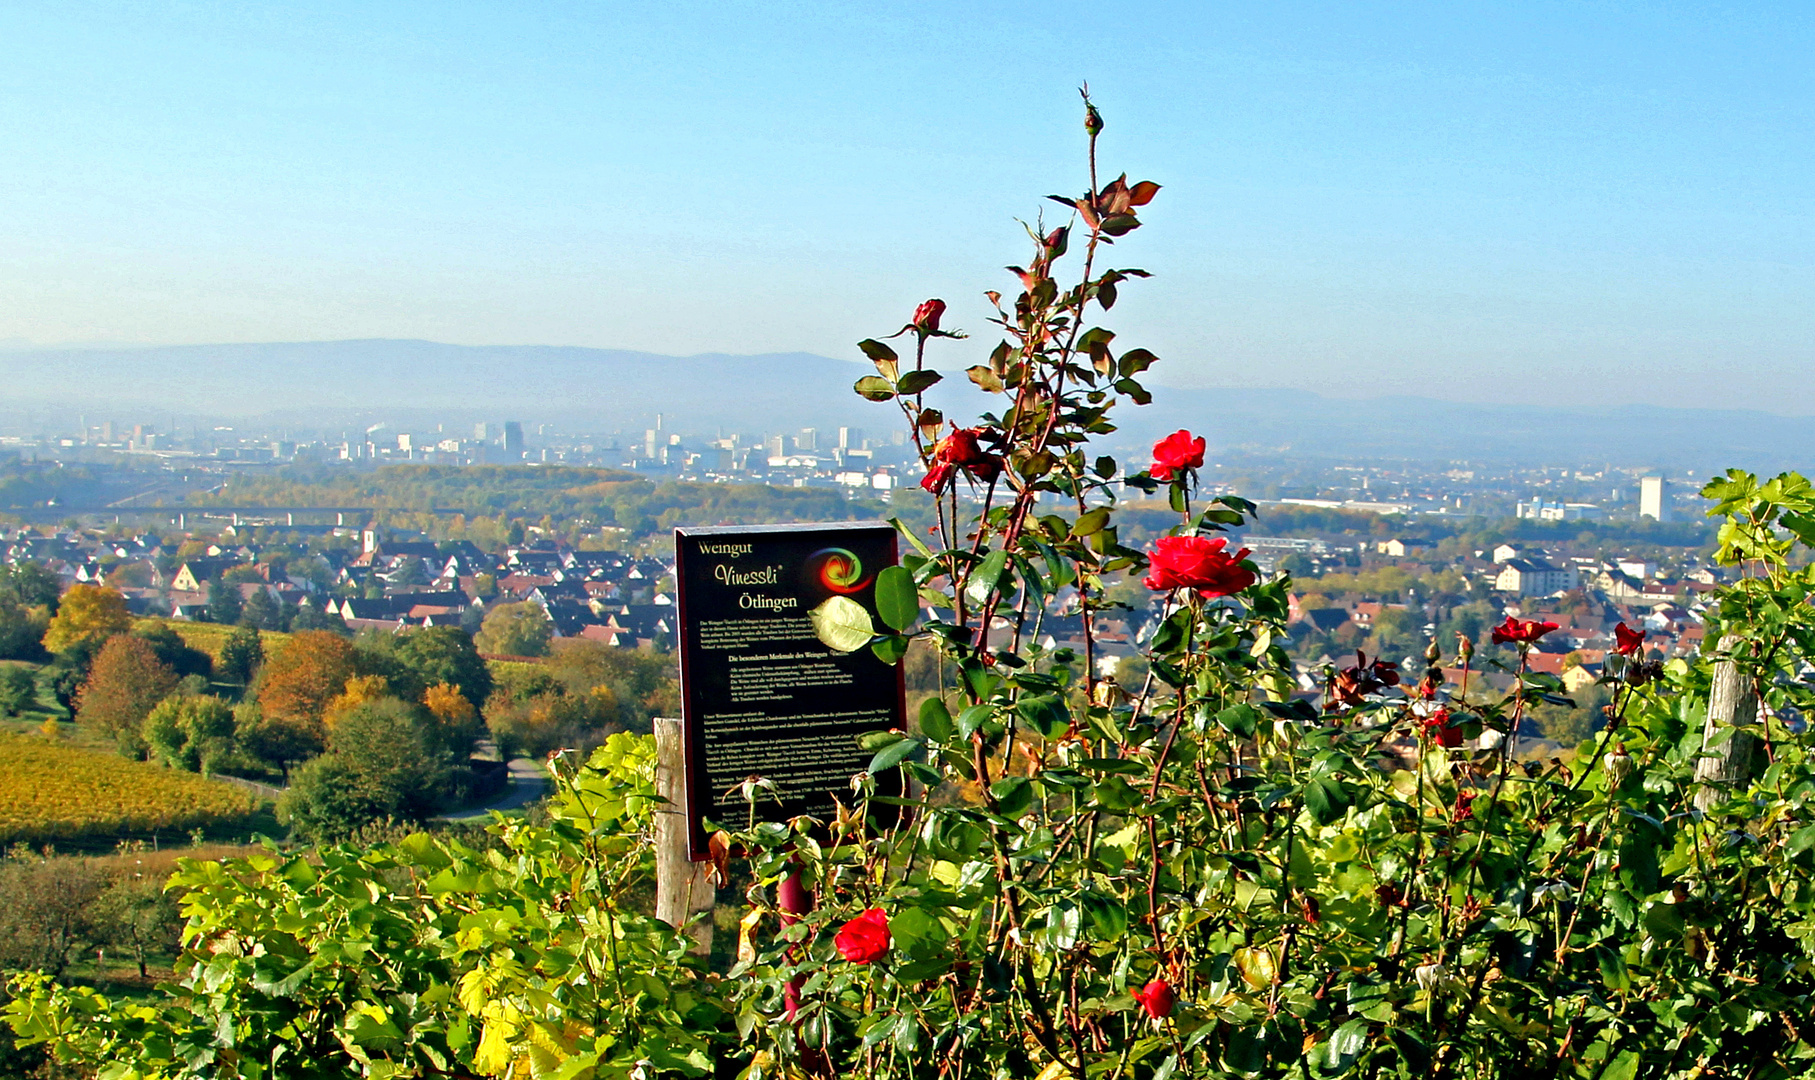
{"points": [[1521, 202]]}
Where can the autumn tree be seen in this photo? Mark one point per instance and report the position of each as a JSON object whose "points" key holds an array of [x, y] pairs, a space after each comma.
{"points": [[455, 715], [300, 679], [86, 617], [125, 683], [515, 630]]}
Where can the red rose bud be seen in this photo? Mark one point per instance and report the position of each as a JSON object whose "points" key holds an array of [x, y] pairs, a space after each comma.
{"points": [[1197, 562], [865, 939], [1515, 632], [1157, 999], [1176, 452], [926, 316], [1628, 642]]}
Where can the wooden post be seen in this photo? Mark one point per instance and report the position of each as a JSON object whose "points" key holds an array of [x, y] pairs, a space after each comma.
{"points": [[1731, 699], [682, 888]]}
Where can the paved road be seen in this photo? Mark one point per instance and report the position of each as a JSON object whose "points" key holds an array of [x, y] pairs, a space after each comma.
{"points": [[528, 782]]}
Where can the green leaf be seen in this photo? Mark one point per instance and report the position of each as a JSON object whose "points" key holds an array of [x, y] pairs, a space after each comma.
{"points": [[984, 578], [875, 388], [1013, 795], [897, 600], [1326, 799], [985, 378], [973, 719], [915, 382], [1046, 714], [935, 720], [890, 648], [890, 756], [1107, 915], [1239, 720], [842, 624], [879, 353], [1624, 1067], [1091, 521], [1135, 361]]}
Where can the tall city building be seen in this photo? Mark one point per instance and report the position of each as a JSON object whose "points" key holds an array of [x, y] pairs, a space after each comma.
{"points": [[513, 437], [850, 438], [808, 439], [1651, 499], [482, 432]]}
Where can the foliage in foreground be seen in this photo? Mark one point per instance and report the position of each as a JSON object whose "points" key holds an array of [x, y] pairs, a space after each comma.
{"points": [[1198, 876]]}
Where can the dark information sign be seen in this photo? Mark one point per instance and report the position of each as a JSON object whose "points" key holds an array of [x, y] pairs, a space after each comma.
{"points": [[777, 677]]}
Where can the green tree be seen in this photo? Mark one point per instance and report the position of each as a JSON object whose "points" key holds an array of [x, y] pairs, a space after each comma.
{"points": [[31, 585], [18, 689], [515, 630], [176, 653], [241, 655], [310, 616], [22, 630], [224, 603], [447, 654], [191, 732], [136, 916], [385, 759], [264, 612]]}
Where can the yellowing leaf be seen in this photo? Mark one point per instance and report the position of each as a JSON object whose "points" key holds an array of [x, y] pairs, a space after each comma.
{"points": [[842, 624]]}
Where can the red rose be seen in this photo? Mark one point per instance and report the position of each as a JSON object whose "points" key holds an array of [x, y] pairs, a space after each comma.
{"points": [[864, 939], [961, 450], [1437, 725], [1176, 452], [937, 477], [1628, 642], [1197, 562], [1352, 684], [1514, 632], [1157, 998], [926, 316]]}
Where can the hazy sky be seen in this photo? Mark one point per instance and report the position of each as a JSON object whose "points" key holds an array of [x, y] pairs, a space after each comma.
{"points": [[1527, 202]]}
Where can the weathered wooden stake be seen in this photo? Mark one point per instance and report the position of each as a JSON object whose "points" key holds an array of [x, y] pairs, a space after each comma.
{"points": [[682, 888], [1731, 699]]}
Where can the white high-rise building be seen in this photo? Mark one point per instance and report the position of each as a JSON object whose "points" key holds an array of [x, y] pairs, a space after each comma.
{"points": [[1651, 499]]}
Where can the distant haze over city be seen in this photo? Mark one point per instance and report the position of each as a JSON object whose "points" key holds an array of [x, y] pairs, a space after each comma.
{"points": [[324, 384]]}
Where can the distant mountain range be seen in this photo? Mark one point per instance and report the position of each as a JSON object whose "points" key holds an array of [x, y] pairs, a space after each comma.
{"points": [[318, 385]]}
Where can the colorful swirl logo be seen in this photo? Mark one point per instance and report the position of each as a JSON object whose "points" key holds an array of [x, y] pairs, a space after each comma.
{"points": [[838, 570]]}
